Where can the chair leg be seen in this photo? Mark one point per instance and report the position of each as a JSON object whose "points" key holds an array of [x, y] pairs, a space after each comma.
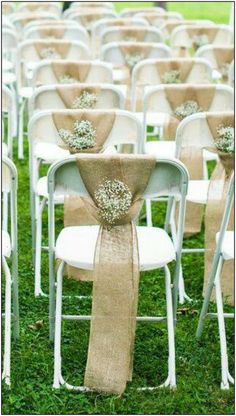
{"points": [[149, 212], [21, 130], [170, 327], [57, 342], [222, 334], [5, 211], [16, 324], [39, 206], [7, 335]]}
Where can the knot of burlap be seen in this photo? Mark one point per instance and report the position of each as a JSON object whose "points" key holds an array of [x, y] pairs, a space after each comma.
{"points": [[73, 69], [60, 46], [116, 274], [69, 93]]}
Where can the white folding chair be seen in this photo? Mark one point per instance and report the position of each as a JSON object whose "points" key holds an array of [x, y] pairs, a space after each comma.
{"points": [[53, 7], [9, 48], [132, 11], [9, 117], [78, 4], [28, 58], [224, 251], [208, 52], [112, 53], [169, 178], [121, 34], [51, 31], [9, 251], [157, 19], [87, 17], [37, 23], [20, 20], [47, 97], [169, 25], [44, 148], [8, 7]]}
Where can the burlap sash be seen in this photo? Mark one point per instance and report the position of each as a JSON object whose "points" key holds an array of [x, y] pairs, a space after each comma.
{"points": [[183, 66], [170, 25], [33, 7], [68, 93], [135, 33], [76, 70], [223, 55], [52, 32], [154, 17], [76, 210], [196, 30], [116, 277], [217, 192], [61, 47], [191, 156], [6, 8]]}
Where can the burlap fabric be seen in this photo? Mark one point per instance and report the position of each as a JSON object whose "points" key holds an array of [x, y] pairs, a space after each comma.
{"points": [[52, 31], [116, 278], [217, 193], [133, 33], [223, 55], [68, 93], [61, 47], [78, 71], [36, 6], [198, 30], [76, 210]]}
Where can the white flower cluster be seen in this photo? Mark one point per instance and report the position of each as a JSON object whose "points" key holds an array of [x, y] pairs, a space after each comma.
{"points": [[85, 100], [67, 79], [83, 136], [113, 199], [171, 77], [200, 40], [133, 58], [225, 143], [49, 53], [187, 109]]}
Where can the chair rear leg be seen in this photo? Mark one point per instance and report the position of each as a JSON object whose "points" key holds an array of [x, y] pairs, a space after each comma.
{"points": [[57, 342], [171, 333], [7, 334], [149, 212]]}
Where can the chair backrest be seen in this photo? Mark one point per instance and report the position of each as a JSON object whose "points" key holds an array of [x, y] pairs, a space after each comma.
{"points": [[87, 9], [9, 186], [130, 33], [112, 52], [129, 12], [40, 6], [22, 19], [157, 19], [9, 108], [209, 52], [48, 97], [183, 36], [127, 129], [88, 18], [101, 25], [169, 25], [99, 72], [8, 7], [58, 32], [194, 131], [77, 4], [9, 40]]}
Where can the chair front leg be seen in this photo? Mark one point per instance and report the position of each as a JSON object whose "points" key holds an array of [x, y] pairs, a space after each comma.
{"points": [[57, 339], [171, 334], [7, 333]]}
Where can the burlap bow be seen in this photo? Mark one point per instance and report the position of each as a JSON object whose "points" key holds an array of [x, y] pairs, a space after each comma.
{"points": [[77, 70], [116, 276], [61, 47], [69, 93]]}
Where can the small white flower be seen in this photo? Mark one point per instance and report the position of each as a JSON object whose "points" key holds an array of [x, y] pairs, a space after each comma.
{"points": [[82, 137], [49, 53], [171, 77], [67, 79], [133, 58], [225, 143], [187, 109], [113, 199], [85, 100], [200, 40]]}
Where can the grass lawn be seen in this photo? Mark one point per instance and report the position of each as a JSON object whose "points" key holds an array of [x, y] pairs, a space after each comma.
{"points": [[198, 362]]}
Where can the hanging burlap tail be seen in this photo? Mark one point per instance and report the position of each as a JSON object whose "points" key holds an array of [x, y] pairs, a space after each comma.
{"points": [[52, 32], [116, 277], [223, 55], [76, 70], [68, 93], [76, 210], [218, 189], [61, 47]]}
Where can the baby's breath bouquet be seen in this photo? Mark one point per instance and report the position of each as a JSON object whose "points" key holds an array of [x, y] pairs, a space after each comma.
{"points": [[187, 109], [225, 143], [49, 53], [85, 100], [113, 199], [200, 40], [67, 79], [171, 77], [133, 58], [83, 136]]}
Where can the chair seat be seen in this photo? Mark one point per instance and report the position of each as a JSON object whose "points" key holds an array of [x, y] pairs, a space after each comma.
{"points": [[4, 149], [227, 248], [50, 152], [166, 148], [6, 244], [76, 246], [198, 191], [42, 190]]}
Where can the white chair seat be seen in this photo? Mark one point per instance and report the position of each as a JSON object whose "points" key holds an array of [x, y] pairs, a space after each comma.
{"points": [[166, 148], [6, 244], [4, 149], [50, 152], [26, 92], [8, 78], [227, 248], [198, 191], [76, 246], [42, 191]]}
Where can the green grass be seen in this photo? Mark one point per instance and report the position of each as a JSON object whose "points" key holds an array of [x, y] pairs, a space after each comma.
{"points": [[198, 362]]}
